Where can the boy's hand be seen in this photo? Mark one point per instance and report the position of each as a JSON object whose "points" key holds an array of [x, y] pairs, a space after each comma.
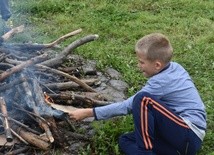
{"points": [[81, 114]]}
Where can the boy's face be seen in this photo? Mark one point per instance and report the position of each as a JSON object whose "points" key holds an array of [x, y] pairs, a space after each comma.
{"points": [[147, 67]]}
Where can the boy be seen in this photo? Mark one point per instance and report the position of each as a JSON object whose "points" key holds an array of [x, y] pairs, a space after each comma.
{"points": [[169, 115]]}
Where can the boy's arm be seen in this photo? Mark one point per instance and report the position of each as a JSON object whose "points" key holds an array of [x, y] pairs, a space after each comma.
{"points": [[114, 109], [103, 112]]}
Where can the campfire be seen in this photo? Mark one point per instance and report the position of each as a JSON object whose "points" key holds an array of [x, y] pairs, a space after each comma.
{"points": [[35, 92]]}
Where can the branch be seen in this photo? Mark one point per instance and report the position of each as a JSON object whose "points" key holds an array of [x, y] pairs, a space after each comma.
{"points": [[62, 38], [22, 65], [12, 32], [63, 55]]}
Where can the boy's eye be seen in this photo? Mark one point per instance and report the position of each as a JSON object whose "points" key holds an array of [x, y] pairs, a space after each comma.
{"points": [[141, 62]]}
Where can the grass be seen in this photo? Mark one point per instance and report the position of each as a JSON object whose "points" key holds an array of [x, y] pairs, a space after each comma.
{"points": [[120, 23]]}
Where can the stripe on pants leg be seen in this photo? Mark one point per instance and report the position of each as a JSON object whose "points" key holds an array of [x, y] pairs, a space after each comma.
{"points": [[144, 118], [144, 124], [168, 113]]}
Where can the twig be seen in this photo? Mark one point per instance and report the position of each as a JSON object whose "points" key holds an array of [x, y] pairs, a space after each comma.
{"points": [[63, 55], [19, 137]]}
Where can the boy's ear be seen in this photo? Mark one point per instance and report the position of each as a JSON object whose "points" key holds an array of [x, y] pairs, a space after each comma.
{"points": [[158, 65]]}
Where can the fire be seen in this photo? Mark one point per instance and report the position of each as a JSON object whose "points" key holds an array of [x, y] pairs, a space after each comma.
{"points": [[48, 99]]}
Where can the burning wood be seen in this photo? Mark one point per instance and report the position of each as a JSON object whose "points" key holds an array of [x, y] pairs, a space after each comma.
{"points": [[32, 88]]}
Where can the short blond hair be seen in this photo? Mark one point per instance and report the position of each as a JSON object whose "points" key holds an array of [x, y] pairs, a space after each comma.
{"points": [[155, 46]]}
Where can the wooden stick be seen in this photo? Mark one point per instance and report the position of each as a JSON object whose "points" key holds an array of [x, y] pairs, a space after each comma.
{"points": [[74, 96], [12, 32], [31, 138], [6, 123], [62, 38], [69, 85], [19, 137], [22, 65], [63, 55]]}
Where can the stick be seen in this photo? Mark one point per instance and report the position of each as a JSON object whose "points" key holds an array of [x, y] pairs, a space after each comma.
{"points": [[22, 65], [62, 38], [6, 123], [63, 55], [69, 85], [12, 32], [78, 97], [32, 138], [19, 137]]}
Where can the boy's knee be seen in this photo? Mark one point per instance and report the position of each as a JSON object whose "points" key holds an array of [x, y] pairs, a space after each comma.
{"points": [[138, 99]]}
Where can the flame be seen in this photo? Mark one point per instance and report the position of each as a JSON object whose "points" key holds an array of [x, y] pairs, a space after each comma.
{"points": [[48, 99]]}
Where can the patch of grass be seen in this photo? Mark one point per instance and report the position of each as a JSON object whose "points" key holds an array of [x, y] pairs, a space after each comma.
{"points": [[120, 23]]}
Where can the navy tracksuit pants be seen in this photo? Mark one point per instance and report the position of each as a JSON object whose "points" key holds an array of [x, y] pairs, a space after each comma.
{"points": [[158, 130]]}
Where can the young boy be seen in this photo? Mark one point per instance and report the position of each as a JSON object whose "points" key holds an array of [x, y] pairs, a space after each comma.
{"points": [[169, 115]]}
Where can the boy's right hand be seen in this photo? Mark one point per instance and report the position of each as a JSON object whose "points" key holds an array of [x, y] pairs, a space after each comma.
{"points": [[81, 114]]}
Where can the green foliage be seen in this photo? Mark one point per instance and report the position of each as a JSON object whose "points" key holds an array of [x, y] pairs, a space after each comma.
{"points": [[113, 128], [120, 23]]}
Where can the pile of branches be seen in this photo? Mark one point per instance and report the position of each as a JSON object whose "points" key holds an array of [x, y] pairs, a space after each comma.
{"points": [[33, 80]]}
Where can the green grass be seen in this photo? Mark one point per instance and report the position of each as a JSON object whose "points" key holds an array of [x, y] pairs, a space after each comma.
{"points": [[189, 24]]}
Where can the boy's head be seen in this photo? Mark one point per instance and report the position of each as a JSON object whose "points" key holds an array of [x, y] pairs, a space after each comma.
{"points": [[154, 52]]}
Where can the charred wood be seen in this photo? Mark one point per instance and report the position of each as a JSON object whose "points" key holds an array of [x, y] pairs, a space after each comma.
{"points": [[12, 84], [18, 151]]}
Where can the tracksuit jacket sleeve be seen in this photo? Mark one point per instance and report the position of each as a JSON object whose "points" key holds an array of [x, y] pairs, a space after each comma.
{"points": [[114, 109]]}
